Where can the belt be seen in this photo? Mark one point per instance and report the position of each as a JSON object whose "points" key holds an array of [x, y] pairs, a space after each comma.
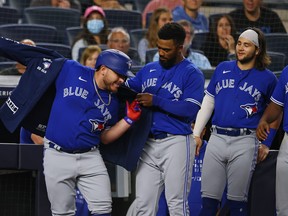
{"points": [[60, 149], [159, 136], [232, 131]]}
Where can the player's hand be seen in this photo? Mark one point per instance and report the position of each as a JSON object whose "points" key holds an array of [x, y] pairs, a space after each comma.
{"points": [[198, 142], [263, 151], [133, 112], [262, 130], [145, 99]]}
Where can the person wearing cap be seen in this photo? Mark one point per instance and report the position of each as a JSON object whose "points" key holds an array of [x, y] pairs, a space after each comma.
{"points": [[238, 93], [72, 137], [83, 113], [95, 30]]}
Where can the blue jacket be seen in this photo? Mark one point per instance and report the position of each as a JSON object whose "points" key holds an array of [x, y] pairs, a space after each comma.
{"points": [[30, 102]]}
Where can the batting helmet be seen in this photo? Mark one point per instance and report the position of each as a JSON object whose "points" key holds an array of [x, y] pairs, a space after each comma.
{"points": [[114, 59]]}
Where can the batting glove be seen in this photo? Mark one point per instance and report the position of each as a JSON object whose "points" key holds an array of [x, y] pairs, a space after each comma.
{"points": [[133, 112]]}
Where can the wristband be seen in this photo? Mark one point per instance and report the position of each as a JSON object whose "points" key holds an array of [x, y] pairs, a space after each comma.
{"points": [[128, 120], [269, 140]]}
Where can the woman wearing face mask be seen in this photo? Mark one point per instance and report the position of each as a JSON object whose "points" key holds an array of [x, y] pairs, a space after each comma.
{"points": [[95, 30]]}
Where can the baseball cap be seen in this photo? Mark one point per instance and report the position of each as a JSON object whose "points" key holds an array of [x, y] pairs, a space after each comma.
{"points": [[93, 8]]}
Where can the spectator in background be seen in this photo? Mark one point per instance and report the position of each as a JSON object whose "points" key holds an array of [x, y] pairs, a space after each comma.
{"points": [[109, 4], [18, 69], [90, 55], [190, 11], [154, 4], [75, 4], [158, 18], [220, 43], [119, 39], [253, 14], [95, 30], [200, 60]]}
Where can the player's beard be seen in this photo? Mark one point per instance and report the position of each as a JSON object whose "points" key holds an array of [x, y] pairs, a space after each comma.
{"points": [[247, 59], [168, 63]]}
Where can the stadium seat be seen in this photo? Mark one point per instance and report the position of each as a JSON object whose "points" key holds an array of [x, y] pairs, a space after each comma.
{"points": [[150, 54], [72, 32], [136, 35], [133, 54], [278, 42], [198, 40], [64, 50], [58, 17], [127, 19], [6, 64], [277, 61], [8, 15], [35, 32], [19, 5], [135, 69]]}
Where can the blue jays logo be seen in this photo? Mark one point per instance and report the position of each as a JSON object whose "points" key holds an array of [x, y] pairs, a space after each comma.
{"points": [[46, 65], [97, 125], [250, 109]]}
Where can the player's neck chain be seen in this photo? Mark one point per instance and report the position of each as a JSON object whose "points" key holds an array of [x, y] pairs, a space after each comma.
{"points": [[101, 99]]}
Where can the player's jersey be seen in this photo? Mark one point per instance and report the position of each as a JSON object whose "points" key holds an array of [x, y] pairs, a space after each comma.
{"points": [[241, 96], [179, 90], [78, 115], [280, 95]]}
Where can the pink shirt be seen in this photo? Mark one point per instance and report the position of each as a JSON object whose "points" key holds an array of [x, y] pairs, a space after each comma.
{"points": [[154, 4]]}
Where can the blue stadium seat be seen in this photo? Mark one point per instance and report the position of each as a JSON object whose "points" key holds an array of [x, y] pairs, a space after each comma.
{"points": [[277, 61], [8, 15], [198, 40], [136, 35], [125, 18], [19, 5], [278, 42], [7, 64], [150, 54], [58, 17], [64, 50], [35, 32], [72, 32]]}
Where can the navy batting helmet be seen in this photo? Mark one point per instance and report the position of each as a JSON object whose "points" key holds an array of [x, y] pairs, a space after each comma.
{"points": [[114, 59]]}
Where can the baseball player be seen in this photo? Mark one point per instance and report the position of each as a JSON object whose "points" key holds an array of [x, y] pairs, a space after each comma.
{"points": [[173, 89], [274, 111], [238, 93], [194, 198], [83, 111]]}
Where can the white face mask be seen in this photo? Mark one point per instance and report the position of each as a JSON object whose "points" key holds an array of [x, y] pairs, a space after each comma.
{"points": [[95, 25]]}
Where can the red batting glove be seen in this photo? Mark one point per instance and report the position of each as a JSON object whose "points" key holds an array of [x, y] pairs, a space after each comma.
{"points": [[133, 112]]}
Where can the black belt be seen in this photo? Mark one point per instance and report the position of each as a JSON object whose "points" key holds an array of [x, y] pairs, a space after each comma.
{"points": [[59, 148], [159, 136], [232, 131]]}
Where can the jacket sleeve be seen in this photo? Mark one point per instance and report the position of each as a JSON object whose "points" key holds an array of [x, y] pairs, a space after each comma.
{"points": [[22, 53]]}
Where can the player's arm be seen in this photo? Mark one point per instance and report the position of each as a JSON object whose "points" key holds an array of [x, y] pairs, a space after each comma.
{"points": [[267, 129], [133, 113], [273, 113], [178, 108], [38, 140], [202, 118]]}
